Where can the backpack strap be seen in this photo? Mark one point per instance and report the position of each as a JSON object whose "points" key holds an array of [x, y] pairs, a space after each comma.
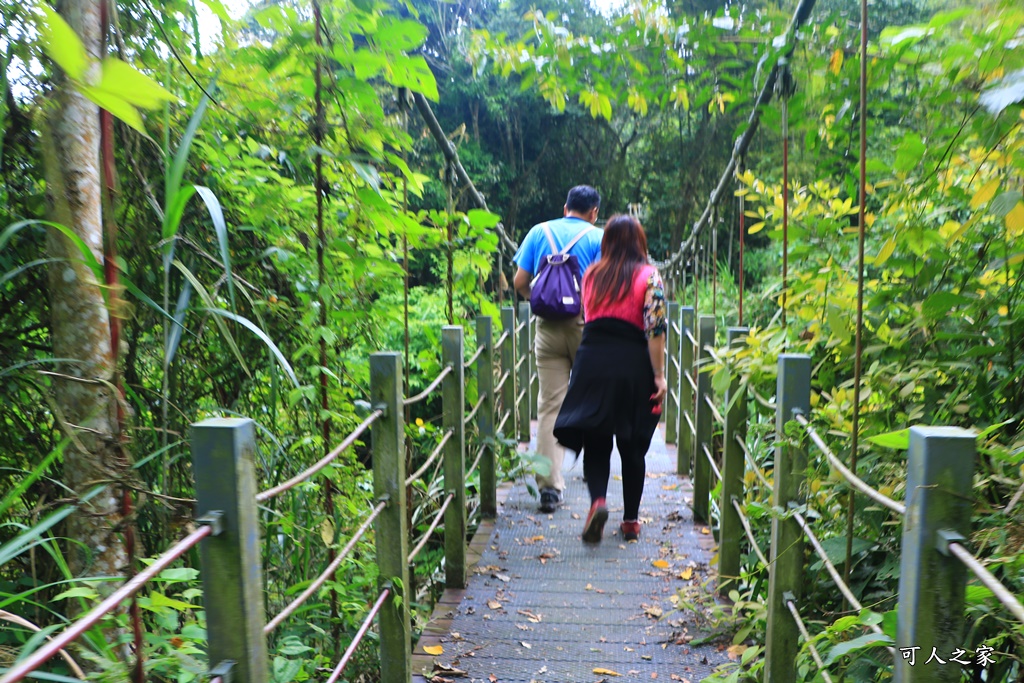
{"points": [[551, 238], [576, 239]]}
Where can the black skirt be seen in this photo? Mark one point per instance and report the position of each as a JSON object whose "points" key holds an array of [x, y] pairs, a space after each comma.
{"points": [[610, 389]]}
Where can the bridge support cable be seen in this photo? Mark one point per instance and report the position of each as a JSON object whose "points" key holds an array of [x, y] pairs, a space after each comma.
{"points": [[803, 11]]}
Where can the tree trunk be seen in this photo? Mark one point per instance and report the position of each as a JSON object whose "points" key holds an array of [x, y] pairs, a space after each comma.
{"points": [[84, 391]]}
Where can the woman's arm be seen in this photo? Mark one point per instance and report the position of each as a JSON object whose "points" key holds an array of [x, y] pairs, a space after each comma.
{"points": [[656, 347], [655, 327]]}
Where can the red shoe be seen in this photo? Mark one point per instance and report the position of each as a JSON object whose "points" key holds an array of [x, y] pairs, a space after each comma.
{"points": [[630, 530], [594, 527]]}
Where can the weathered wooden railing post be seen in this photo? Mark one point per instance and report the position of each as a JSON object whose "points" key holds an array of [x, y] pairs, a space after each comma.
{"points": [[733, 467], [508, 365], [485, 417], [392, 531], [940, 476], [672, 374], [703, 421], [684, 453], [534, 385], [453, 406], [523, 386], [222, 455], [786, 571]]}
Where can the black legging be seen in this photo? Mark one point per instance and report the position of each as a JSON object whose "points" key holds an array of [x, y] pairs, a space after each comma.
{"points": [[597, 457]]}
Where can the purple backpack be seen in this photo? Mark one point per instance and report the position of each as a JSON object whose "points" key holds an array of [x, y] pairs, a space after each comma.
{"points": [[555, 292]]}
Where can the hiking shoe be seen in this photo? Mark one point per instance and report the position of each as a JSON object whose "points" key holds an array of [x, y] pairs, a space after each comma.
{"points": [[594, 527], [550, 499], [630, 530]]}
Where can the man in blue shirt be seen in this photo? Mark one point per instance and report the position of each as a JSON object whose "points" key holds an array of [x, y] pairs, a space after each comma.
{"points": [[557, 340]]}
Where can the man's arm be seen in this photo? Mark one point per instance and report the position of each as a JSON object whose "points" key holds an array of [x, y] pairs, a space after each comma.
{"points": [[521, 282]]}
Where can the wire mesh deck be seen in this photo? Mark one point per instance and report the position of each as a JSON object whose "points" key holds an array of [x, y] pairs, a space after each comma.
{"points": [[541, 606]]}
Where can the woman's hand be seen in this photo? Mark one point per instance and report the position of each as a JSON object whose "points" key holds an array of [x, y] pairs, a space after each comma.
{"points": [[661, 389]]}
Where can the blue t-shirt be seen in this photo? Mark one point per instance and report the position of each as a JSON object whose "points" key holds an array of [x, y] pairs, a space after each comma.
{"points": [[535, 247]]}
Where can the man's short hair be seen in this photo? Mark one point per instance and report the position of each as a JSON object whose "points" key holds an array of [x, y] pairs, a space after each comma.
{"points": [[582, 199]]}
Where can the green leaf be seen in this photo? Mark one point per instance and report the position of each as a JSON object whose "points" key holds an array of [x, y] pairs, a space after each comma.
{"points": [[157, 601], [115, 105], [263, 336], [401, 35], [208, 300], [62, 44], [285, 670], [1009, 90], [415, 74], [175, 574], [940, 304], [479, 218], [1004, 203], [860, 643], [174, 177], [910, 152], [122, 81], [889, 623], [221, 228], [33, 476], [899, 439], [78, 592]]}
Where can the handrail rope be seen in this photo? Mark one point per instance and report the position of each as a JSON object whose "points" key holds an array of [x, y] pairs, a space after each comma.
{"points": [[988, 580], [322, 462], [770, 405], [433, 456], [433, 525], [689, 380], [534, 378], [675, 396], [689, 335], [851, 478], [476, 461], [677, 329], [750, 532], [472, 359], [327, 573], [501, 425], [476, 408], [750, 460], [501, 382], [501, 340], [358, 638], [519, 363], [426, 392], [520, 397], [519, 328], [843, 588], [130, 587], [791, 604], [711, 459], [714, 411], [675, 364], [689, 423]]}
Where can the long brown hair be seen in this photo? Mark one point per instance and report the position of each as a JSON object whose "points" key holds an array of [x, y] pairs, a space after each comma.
{"points": [[623, 250]]}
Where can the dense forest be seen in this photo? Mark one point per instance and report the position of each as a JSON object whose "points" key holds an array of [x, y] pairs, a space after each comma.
{"points": [[212, 208]]}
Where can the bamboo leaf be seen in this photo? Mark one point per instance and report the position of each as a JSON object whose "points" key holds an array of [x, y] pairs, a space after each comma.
{"points": [[177, 170], [87, 256], [251, 326], [221, 228], [208, 300], [32, 477]]}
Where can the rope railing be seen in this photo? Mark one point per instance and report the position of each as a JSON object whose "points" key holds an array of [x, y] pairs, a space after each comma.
{"points": [[677, 329], [520, 397], [327, 573], [474, 357], [714, 411], [501, 425], [988, 580], [791, 604], [689, 335], [750, 461], [476, 461], [322, 462], [675, 395], [770, 405], [519, 363], [69, 635], [430, 530], [534, 378], [689, 380], [430, 460], [519, 328], [501, 382], [476, 408], [675, 363], [433, 385], [851, 478], [501, 340], [745, 522], [336, 674], [689, 424], [711, 461]]}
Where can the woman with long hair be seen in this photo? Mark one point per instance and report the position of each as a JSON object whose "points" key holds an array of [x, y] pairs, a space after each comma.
{"points": [[618, 381]]}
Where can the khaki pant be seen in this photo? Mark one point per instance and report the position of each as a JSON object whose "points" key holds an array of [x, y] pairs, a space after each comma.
{"points": [[555, 347]]}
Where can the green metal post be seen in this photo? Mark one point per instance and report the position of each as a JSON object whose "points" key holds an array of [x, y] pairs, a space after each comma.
{"points": [[671, 358], [508, 365], [786, 573], [223, 452], [684, 452], [534, 378], [733, 468], [703, 422], [930, 614], [453, 397], [392, 530], [485, 417], [523, 386]]}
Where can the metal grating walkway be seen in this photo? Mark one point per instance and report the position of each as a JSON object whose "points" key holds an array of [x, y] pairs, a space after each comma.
{"points": [[543, 607]]}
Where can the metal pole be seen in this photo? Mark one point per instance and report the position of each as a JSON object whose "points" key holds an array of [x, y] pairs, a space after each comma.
{"points": [[733, 469], [701, 466], [485, 417]]}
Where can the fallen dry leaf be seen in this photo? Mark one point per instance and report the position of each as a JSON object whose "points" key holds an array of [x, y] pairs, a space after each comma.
{"points": [[449, 670], [660, 564], [523, 627], [735, 651], [705, 530], [686, 574], [654, 674], [654, 611], [502, 577], [575, 515], [492, 678], [434, 650], [494, 604], [525, 644], [605, 672]]}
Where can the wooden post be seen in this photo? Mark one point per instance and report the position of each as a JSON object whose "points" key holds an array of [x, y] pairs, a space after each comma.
{"points": [[703, 421], [453, 397], [392, 530], [485, 417], [523, 386], [508, 362], [534, 383], [733, 469], [225, 473], [940, 476], [786, 573], [674, 390], [684, 452]]}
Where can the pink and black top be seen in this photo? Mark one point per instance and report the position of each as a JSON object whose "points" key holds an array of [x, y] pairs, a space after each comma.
{"points": [[643, 306]]}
